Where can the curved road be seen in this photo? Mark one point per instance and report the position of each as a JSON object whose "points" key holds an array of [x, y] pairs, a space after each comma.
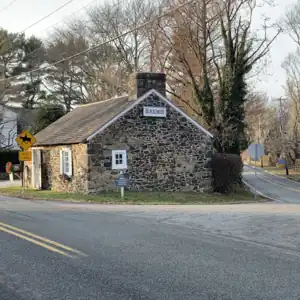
{"points": [[66, 251], [281, 189]]}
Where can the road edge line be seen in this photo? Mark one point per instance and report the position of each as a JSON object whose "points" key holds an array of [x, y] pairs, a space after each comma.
{"points": [[287, 179], [260, 193]]}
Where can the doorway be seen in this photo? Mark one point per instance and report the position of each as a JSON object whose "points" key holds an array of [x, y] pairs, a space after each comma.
{"points": [[36, 179]]}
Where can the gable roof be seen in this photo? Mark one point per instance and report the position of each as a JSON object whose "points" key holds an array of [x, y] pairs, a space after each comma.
{"points": [[85, 122], [81, 122]]}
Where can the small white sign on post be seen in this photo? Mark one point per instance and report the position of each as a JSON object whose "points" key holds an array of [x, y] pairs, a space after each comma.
{"points": [[154, 111]]}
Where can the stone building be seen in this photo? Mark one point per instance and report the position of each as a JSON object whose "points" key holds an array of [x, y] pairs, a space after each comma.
{"points": [[143, 134]]}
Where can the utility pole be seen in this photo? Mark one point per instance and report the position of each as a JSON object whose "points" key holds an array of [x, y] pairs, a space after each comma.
{"points": [[283, 133]]}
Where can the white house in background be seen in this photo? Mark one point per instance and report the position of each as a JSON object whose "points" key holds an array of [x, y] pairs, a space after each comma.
{"points": [[8, 128]]}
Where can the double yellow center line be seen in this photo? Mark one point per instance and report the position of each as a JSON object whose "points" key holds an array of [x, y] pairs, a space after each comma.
{"points": [[41, 241]]}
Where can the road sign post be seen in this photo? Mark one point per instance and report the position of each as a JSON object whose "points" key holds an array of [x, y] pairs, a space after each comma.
{"points": [[25, 140], [122, 181], [256, 151]]}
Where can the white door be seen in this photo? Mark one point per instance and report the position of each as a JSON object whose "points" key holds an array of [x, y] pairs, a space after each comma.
{"points": [[36, 169]]}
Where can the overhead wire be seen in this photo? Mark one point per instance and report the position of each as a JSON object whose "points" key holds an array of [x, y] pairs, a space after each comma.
{"points": [[7, 5], [47, 16], [106, 42], [53, 25], [71, 14], [41, 19]]}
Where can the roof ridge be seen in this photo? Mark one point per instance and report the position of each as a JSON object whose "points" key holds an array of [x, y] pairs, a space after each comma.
{"points": [[107, 100]]}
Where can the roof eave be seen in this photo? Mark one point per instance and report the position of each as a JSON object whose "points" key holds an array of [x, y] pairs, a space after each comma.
{"points": [[57, 144]]}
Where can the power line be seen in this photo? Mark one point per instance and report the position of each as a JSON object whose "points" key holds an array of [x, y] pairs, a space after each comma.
{"points": [[71, 14], [51, 26], [40, 20], [7, 5], [47, 16], [106, 42]]}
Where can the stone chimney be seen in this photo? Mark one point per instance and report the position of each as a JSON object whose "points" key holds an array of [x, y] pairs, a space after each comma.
{"points": [[141, 83]]}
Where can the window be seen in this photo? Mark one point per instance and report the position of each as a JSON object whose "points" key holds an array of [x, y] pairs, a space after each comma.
{"points": [[119, 159], [66, 162]]}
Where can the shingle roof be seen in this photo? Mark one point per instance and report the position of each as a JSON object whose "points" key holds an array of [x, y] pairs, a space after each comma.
{"points": [[76, 126]]}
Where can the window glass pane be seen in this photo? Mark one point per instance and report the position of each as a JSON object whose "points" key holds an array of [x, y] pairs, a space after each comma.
{"points": [[66, 162], [119, 158], [66, 156]]}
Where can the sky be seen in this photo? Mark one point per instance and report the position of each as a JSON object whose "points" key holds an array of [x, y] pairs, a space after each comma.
{"points": [[23, 13]]}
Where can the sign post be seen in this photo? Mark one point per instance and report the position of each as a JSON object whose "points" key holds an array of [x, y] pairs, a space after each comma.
{"points": [[122, 188], [122, 181], [25, 140], [256, 151]]}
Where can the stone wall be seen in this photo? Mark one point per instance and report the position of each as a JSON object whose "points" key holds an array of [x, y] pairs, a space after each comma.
{"points": [[51, 178], [164, 154]]}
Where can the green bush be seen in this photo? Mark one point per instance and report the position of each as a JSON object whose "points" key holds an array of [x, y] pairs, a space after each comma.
{"points": [[226, 172]]}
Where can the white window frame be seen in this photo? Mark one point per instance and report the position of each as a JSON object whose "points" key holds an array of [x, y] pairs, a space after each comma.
{"points": [[115, 156], [66, 167]]}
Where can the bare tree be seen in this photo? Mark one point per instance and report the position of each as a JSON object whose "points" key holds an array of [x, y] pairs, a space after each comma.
{"points": [[63, 82], [291, 22], [257, 117], [216, 53], [186, 32], [113, 19], [291, 66]]}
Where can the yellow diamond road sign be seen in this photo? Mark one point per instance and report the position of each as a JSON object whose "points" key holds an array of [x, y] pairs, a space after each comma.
{"points": [[25, 140]]}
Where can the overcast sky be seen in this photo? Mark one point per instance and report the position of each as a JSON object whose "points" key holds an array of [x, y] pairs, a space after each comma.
{"points": [[23, 13]]}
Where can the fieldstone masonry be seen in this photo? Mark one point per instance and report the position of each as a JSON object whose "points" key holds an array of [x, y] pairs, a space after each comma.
{"points": [[164, 154], [51, 177]]}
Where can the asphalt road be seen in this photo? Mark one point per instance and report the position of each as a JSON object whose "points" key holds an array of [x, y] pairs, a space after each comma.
{"points": [[52, 250], [272, 186]]}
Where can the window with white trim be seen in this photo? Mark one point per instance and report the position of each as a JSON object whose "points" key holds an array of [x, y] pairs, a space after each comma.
{"points": [[66, 162], [119, 159]]}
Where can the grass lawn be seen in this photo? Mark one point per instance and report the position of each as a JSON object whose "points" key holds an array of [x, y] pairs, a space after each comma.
{"points": [[135, 197]]}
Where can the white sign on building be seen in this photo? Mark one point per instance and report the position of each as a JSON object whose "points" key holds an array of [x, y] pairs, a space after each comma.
{"points": [[153, 111]]}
